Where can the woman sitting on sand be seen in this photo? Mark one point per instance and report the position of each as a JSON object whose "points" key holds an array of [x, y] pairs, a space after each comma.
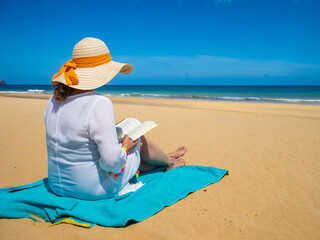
{"points": [[85, 159]]}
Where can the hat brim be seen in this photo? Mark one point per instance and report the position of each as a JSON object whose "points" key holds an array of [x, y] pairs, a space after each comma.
{"points": [[95, 77]]}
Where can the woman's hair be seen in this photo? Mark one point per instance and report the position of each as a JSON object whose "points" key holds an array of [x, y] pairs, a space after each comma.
{"points": [[61, 92]]}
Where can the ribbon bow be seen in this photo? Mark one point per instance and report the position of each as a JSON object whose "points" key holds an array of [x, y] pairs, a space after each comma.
{"points": [[69, 73], [68, 68]]}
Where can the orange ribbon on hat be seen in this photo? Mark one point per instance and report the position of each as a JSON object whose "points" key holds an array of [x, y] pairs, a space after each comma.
{"points": [[69, 67]]}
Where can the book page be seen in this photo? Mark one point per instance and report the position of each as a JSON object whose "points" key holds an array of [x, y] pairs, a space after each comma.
{"points": [[125, 126], [142, 129]]}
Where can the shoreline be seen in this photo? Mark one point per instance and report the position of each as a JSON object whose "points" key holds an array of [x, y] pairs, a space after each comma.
{"points": [[248, 99], [47, 96]]}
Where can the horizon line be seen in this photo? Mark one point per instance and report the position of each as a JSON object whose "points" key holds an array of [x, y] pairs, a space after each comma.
{"points": [[182, 85]]}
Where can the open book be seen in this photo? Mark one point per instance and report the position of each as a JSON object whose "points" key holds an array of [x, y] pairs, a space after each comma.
{"points": [[134, 128]]}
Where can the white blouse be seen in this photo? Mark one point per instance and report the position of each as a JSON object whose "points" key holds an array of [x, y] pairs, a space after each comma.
{"points": [[83, 150]]}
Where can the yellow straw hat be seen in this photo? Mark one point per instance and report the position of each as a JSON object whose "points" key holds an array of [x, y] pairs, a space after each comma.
{"points": [[91, 66]]}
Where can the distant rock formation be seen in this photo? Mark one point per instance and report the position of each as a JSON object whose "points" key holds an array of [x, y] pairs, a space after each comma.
{"points": [[2, 82]]}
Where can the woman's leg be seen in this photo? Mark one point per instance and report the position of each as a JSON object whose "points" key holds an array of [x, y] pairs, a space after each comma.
{"points": [[152, 156]]}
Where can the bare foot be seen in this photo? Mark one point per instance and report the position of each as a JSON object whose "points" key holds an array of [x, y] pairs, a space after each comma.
{"points": [[178, 153], [179, 162]]}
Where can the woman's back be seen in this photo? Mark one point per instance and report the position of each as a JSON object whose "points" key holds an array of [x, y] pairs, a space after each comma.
{"points": [[82, 147]]}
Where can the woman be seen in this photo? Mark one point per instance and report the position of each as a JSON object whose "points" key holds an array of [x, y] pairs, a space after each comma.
{"points": [[85, 159]]}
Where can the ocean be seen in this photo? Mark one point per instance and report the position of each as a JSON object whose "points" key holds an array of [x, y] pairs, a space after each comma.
{"points": [[275, 94]]}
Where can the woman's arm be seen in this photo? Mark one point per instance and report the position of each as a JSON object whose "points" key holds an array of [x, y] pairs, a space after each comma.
{"points": [[102, 130]]}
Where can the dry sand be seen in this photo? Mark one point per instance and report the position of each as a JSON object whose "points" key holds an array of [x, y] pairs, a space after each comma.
{"points": [[271, 150]]}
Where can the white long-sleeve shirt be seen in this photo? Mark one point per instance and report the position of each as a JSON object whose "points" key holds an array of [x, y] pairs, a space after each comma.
{"points": [[83, 149]]}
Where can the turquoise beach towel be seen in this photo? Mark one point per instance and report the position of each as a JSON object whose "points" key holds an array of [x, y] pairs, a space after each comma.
{"points": [[162, 189]]}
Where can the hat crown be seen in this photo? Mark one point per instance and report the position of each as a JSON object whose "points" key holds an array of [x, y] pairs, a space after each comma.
{"points": [[89, 47]]}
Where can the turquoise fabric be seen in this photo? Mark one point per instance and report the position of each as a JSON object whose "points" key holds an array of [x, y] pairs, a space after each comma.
{"points": [[161, 189]]}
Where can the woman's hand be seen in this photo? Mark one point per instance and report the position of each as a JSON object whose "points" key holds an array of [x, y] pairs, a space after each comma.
{"points": [[128, 143]]}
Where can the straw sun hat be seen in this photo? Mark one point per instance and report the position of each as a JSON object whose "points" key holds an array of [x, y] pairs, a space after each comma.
{"points": [[91, 66]]}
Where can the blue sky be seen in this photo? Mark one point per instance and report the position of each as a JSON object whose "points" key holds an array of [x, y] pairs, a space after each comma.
{"points": [[211, 42]]}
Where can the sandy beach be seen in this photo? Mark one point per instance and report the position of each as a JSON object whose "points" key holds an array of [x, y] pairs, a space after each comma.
{"points": [[272, 152]]}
